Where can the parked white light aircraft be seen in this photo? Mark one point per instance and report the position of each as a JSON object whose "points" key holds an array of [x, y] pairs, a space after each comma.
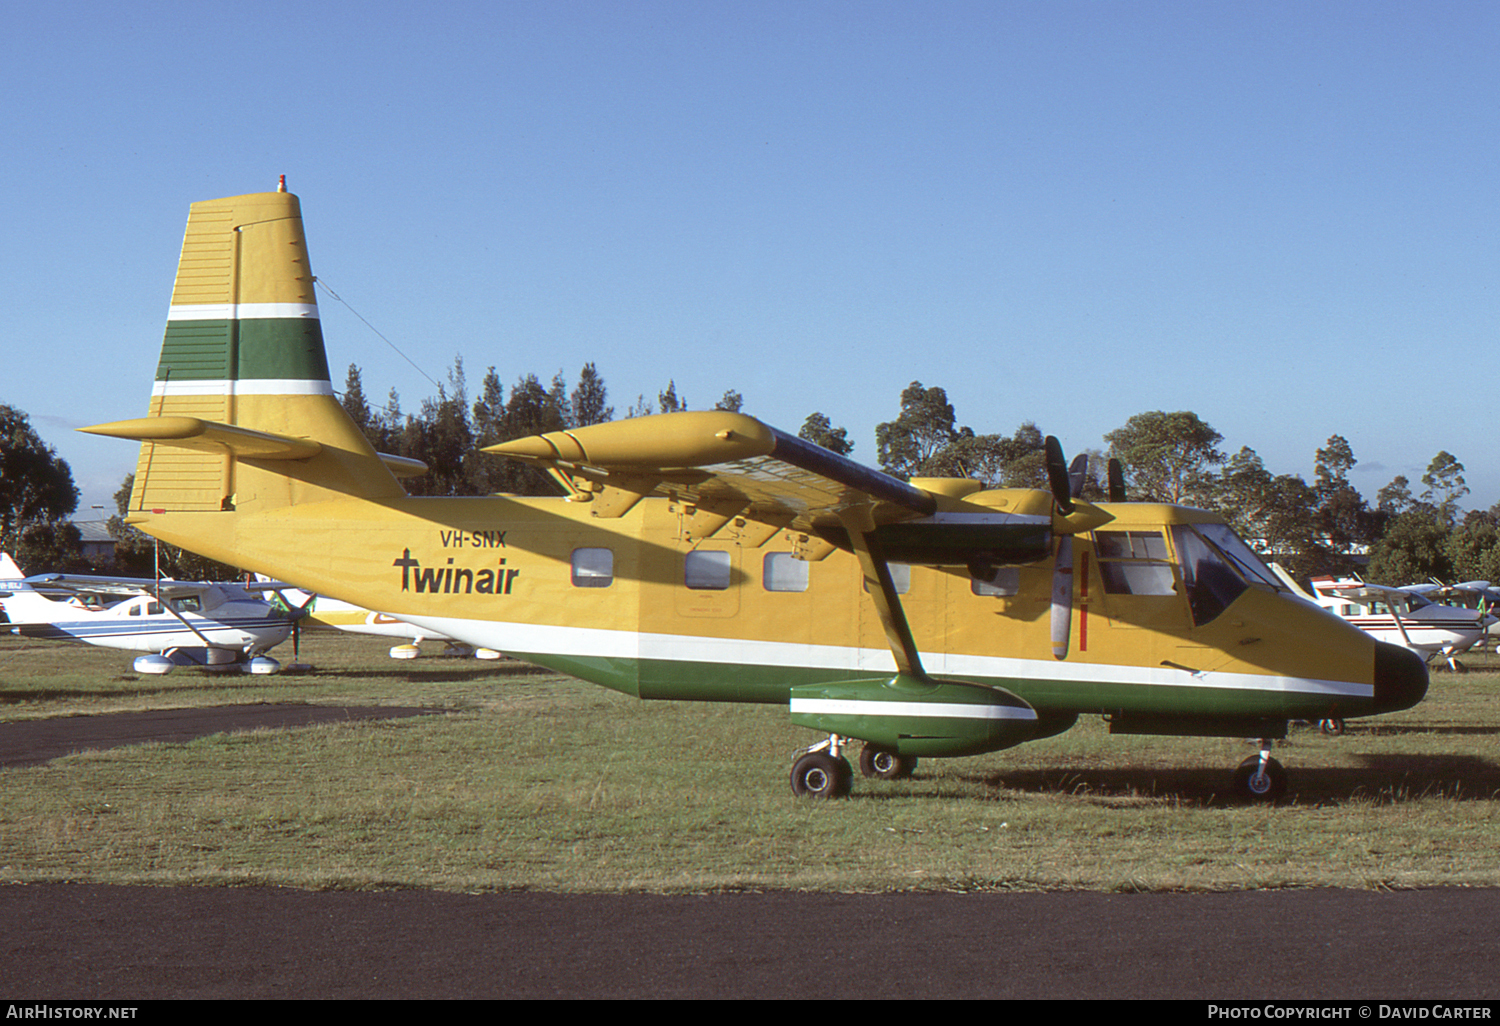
{"points": [[177, 623], [1403, 616], [1480, 595], [345, 616]]}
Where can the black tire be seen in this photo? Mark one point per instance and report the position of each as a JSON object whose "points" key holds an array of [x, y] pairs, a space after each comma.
{"points": [[1332, 727], [820, 775], [1250, 785], [883, 764]]}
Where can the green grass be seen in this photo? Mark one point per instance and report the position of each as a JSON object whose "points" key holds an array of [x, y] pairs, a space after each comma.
{"points": [[532, 780]]}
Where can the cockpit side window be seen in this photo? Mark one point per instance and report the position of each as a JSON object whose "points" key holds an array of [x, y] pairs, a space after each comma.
{"points": [[1212, 583], [1134, 563]]}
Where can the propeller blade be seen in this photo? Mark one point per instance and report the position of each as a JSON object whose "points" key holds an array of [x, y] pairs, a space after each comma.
{"points": [[1062, 598], [1078, 472], [1116, 481], [1057, 476]]}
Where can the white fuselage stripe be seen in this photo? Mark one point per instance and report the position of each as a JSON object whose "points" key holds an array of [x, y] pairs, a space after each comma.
{"points": [[593, 642], [949, 710]]}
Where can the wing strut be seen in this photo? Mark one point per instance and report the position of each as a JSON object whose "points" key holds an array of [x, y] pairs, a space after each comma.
{"points": [[183, 620], [877, 572]]}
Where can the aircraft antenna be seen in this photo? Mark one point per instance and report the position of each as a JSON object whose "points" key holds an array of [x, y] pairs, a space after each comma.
{"points": [[320, 283]]}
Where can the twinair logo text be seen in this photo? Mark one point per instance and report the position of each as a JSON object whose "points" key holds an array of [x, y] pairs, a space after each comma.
{"points": [[454, 580]]}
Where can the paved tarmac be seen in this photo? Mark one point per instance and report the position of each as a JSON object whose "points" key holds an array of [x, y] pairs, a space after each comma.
{"points": [[137, 943], [77, 941]]}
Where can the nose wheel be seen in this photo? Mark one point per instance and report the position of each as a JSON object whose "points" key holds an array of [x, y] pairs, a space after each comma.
{"points": [[1260, 778]]}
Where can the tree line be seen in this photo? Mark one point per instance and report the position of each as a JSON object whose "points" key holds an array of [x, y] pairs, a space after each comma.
{"points": [[1322, 526]]}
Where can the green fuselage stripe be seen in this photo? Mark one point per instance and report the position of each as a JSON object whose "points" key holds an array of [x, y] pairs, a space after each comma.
{"points": [[281, 348], [716, 682]]}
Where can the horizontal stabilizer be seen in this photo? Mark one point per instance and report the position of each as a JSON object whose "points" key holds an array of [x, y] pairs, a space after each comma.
{"points": [[403, 467], [210, 436]]}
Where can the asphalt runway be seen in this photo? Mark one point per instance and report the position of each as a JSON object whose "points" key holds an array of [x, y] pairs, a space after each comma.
{"points": [[82, 941]]}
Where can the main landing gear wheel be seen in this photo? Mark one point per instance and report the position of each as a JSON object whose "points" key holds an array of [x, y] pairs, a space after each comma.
{"points": [[884, 764], [1332, 727], [820, 775], [1255, 785]]}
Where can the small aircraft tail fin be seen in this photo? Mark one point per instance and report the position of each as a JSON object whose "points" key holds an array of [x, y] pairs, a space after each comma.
{"points": [[242, 412], [1291, 583], [18, 601]]}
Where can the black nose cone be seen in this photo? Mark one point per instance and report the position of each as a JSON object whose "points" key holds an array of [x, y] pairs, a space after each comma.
{"points": [[1400, 678]]}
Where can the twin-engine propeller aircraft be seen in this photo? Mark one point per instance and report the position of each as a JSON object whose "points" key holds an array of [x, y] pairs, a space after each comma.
{"points": [[706, 556], [1407, 616], [206, 624]]}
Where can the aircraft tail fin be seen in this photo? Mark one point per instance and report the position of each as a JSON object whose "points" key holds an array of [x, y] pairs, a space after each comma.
{"points": [[1291, 583], [242, 412], [9, 571], [18, 601]]}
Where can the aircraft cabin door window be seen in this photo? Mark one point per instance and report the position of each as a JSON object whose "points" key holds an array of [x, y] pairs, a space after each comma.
{"points": [[707, 571], [711, 581]]}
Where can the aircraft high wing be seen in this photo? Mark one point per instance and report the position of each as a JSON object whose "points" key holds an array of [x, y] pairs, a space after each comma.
{"points": [[706, 556], [177, 623]]}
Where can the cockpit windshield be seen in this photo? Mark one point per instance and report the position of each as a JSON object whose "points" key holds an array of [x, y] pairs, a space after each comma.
{"points": [[1241, 555], [1217, 566]]}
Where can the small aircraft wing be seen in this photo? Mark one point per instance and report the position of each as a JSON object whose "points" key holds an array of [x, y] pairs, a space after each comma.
{"points": [[1469, 588], [1365, 594], [76, 584]]}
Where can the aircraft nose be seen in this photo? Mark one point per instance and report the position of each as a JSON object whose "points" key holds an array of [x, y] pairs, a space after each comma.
{"points": [[1400, 678]]}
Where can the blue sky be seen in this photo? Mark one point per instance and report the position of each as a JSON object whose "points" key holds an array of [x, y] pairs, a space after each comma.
{"points": [[1282, 216]]}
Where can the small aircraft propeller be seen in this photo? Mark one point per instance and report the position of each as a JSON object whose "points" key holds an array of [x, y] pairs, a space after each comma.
{"points": [[1116, 481], [296, 614], [1067, 483], [1059, 477], [1078, 475]]}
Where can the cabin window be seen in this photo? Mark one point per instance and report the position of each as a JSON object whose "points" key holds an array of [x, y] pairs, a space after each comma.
{"points": [[706, 570], [187, 604], [1134, 562], [781, 571], [998, 582], [593, 568]]}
